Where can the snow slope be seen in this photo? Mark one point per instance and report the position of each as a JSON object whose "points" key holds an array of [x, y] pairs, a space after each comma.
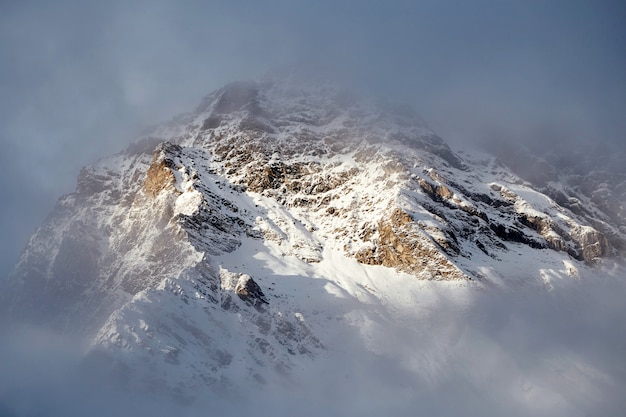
{"points": [[285, 227]]}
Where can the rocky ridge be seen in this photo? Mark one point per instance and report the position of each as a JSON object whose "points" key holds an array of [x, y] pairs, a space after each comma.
{"points": [[136, 257]]}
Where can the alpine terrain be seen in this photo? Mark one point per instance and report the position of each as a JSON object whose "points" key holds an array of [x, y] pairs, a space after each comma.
{"points": [[283, 226]]}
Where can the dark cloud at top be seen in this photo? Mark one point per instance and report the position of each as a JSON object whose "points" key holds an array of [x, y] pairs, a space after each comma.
{"points": [[79, 79]]}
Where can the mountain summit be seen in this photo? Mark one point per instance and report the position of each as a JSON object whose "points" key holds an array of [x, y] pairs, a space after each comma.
{"points": [[237, 241]]}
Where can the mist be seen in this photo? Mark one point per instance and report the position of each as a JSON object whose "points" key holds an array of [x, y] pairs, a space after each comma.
{"points": [[79, 80], [515, 353]]}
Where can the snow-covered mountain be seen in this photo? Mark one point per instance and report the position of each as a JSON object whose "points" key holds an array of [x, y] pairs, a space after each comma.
{"points": [[241, 242]]}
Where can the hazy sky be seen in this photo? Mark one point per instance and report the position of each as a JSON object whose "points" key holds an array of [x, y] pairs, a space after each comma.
{"points": [[79, 79]]}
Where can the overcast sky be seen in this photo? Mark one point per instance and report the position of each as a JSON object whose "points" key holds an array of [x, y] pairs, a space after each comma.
{"points": [[79, 79]]}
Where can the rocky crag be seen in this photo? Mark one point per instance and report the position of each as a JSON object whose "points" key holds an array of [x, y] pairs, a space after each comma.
{"points": [[158, 251]]}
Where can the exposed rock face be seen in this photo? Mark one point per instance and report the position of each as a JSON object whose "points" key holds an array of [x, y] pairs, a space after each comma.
{"points": [[401, 244], [159, 176], [590, 182], [140, 256], [250, 292]]}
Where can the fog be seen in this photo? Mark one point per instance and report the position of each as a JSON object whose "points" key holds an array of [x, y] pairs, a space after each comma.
{"points": [[516, 353], [79, 80]]}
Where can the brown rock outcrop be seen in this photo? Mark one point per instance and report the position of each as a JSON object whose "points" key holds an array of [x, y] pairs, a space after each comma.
{"points": [[400, 244]]}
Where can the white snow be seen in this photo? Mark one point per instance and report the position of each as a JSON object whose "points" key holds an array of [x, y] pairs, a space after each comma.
{"points": [[188, 203], [368, 338]]}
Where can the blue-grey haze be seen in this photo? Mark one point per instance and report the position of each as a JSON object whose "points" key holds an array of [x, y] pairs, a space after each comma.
{"points": [[79, 79]]}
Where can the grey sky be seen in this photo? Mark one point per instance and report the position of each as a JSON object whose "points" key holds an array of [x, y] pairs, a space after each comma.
{"points": [[79, 79]]}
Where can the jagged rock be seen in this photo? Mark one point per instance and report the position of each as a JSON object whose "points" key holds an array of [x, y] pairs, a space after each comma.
{"points": [[400, 244], [143, 257], [589, 182], [159, 176], [250, 292]]}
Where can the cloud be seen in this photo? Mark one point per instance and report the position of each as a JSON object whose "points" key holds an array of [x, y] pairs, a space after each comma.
{"points": [[80, 80], [518, 353]]}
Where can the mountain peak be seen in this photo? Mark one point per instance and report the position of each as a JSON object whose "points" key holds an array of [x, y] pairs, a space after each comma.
{"points": [[237, 221]]}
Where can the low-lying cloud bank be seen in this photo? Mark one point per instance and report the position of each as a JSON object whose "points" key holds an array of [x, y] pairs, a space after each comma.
{"points": [[515, 353]]}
